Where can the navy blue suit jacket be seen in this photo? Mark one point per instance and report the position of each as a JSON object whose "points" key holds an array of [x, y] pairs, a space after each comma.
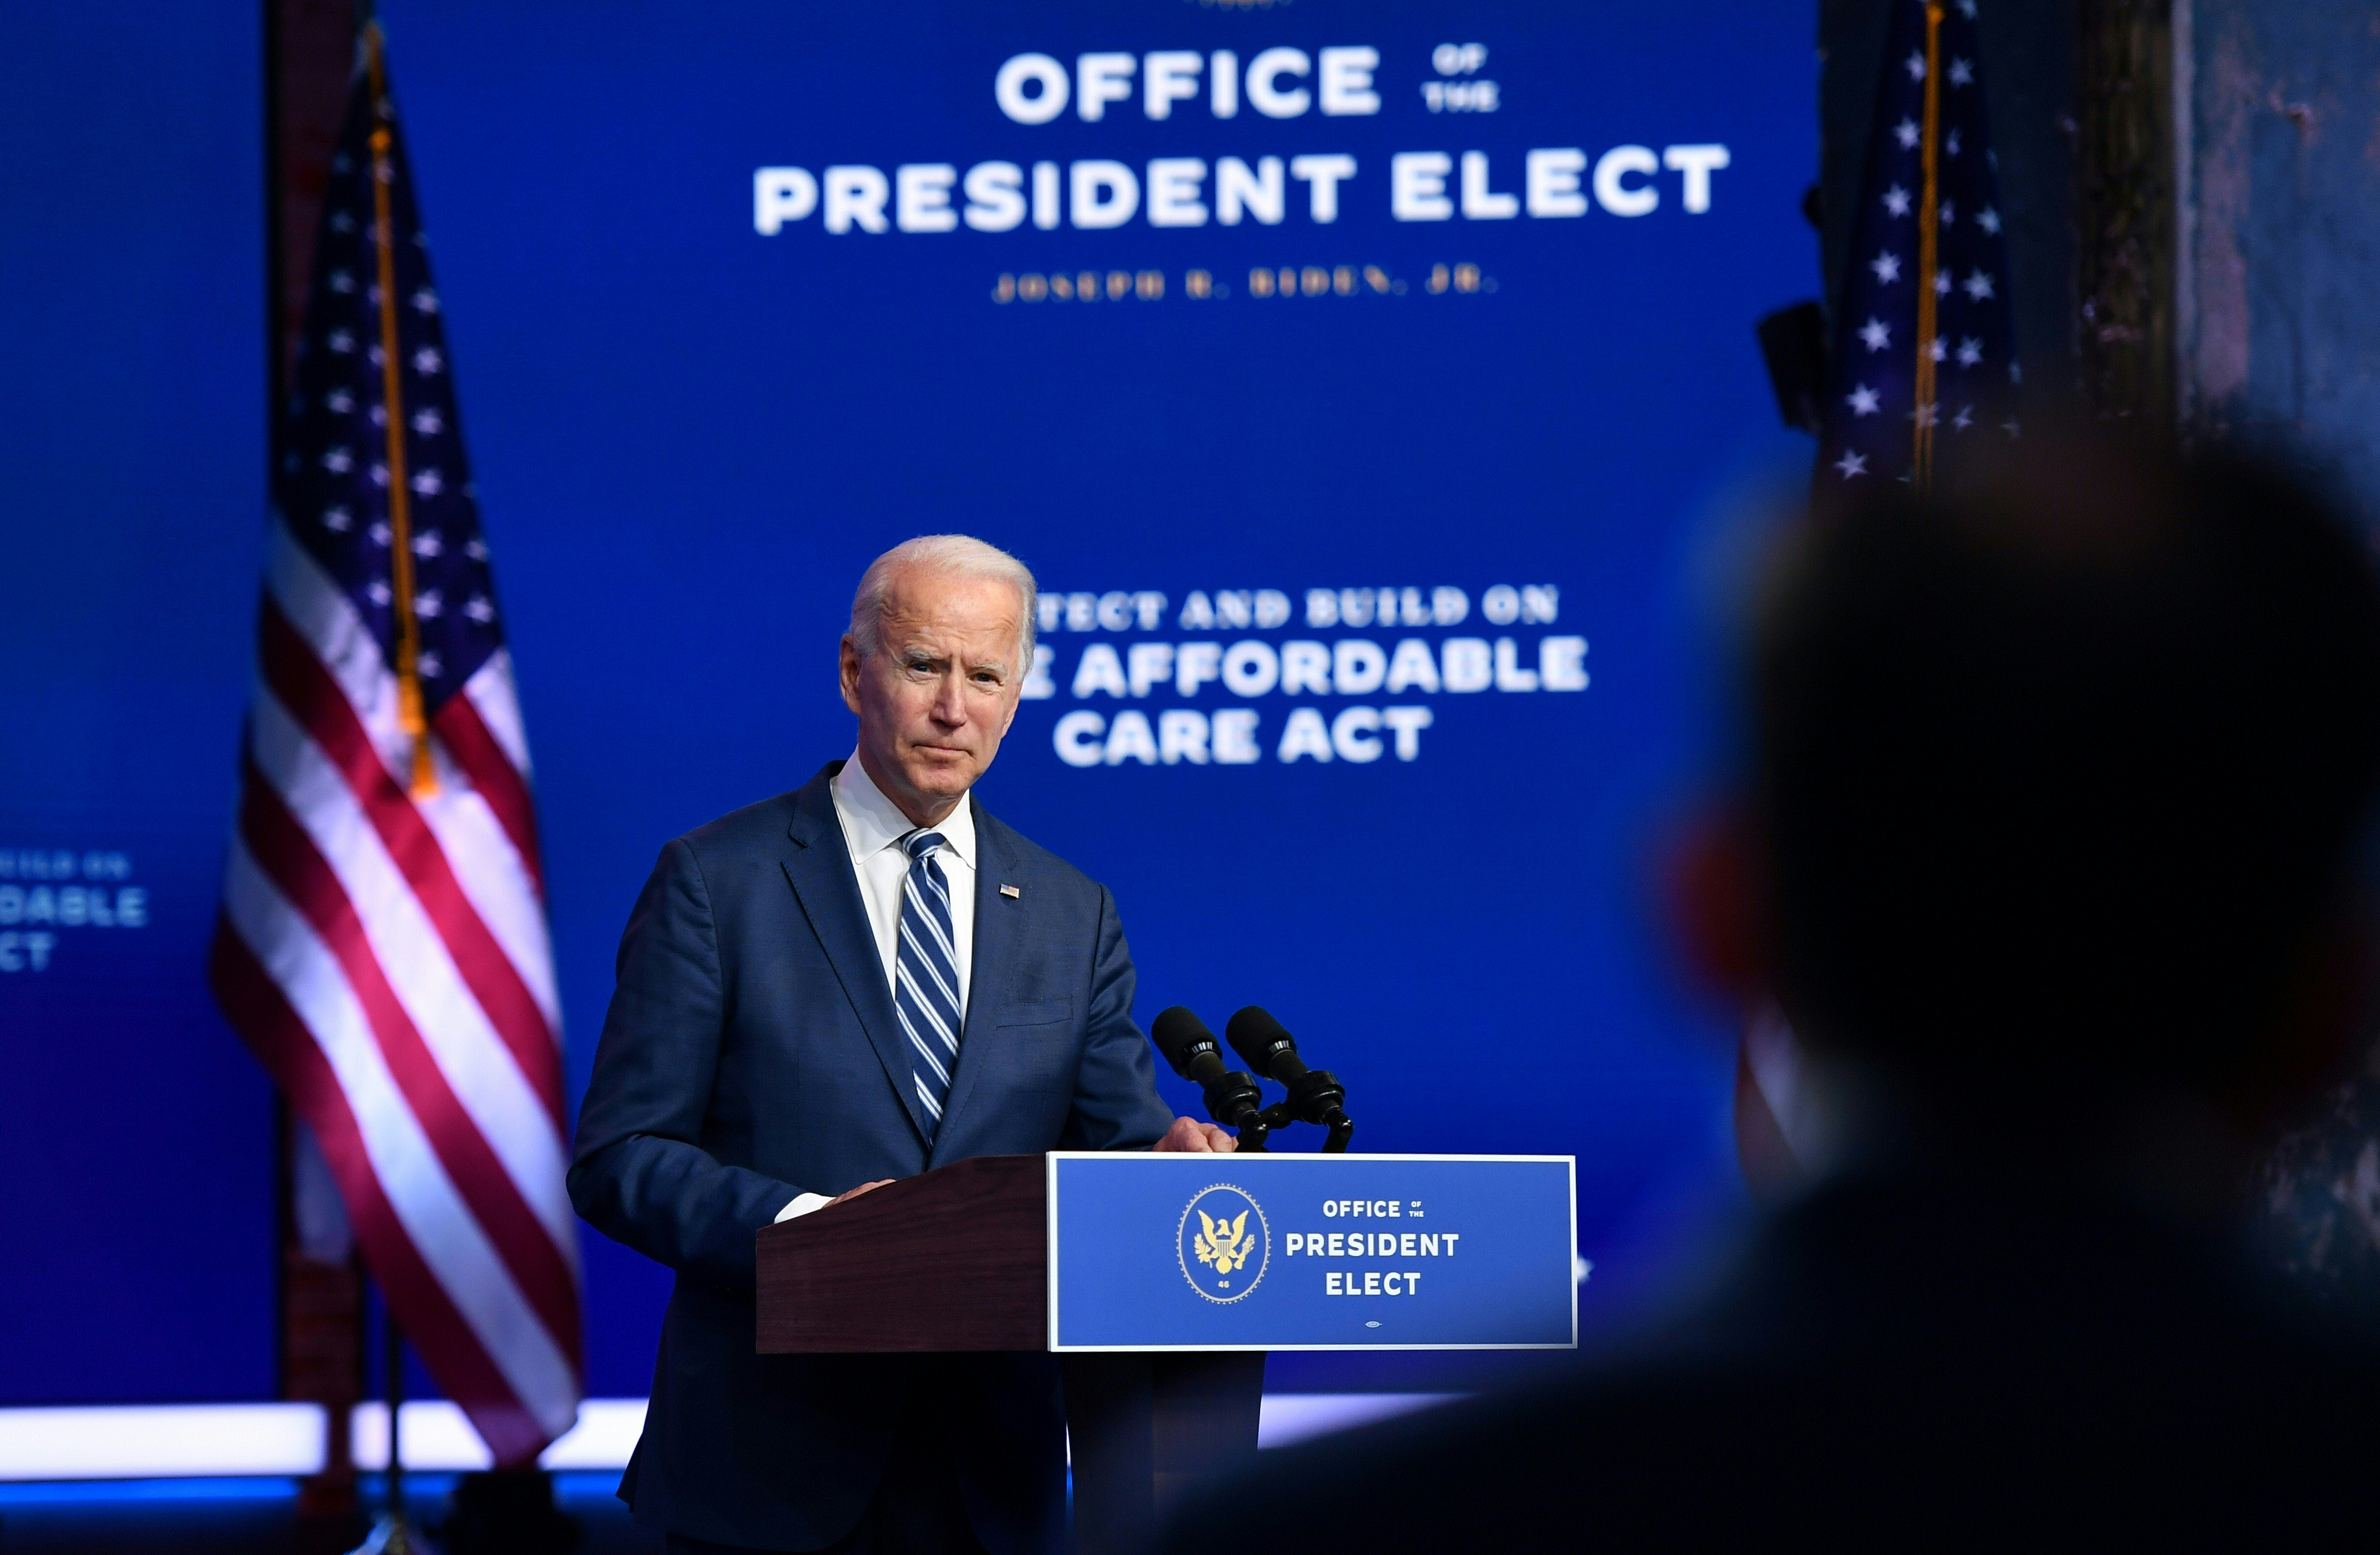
{"points": [[751, 1053]]}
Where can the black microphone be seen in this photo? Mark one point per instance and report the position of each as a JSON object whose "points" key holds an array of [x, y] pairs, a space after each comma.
{"points": [[1315, 1094], [1232, 1099]]}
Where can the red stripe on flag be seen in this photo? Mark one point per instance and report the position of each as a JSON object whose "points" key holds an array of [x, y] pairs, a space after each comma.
{"points": [[474, 749], [290, 858], [262, 1014], [322, 709]]}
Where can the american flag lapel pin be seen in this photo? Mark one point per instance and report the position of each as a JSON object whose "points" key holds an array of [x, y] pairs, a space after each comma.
{"points": [[1012, 891]]}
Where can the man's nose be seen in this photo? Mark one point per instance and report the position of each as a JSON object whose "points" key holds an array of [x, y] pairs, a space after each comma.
{"points": [[950, 703]]}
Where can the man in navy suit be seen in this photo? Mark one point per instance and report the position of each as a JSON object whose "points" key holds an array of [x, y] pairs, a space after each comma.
{"points": [[851, 983]]}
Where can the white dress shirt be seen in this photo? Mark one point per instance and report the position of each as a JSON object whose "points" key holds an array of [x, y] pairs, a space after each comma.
{"points": [[872, 829]]}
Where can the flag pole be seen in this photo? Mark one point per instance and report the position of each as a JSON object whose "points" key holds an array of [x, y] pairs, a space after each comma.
{"points": [[409, 714], [399, 1540], [1929, 217]]}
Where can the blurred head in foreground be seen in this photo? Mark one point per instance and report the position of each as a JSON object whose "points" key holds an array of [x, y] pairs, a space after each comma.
{"points": [[2058, 791], [2063, 780]]}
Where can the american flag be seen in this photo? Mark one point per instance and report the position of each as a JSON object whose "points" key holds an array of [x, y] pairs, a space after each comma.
{"points": [[1923, 334], [382, 939]]}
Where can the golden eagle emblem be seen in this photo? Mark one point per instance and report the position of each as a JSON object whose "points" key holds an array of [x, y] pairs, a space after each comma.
{"points": [[1223, 1246], [1221, 1241]]}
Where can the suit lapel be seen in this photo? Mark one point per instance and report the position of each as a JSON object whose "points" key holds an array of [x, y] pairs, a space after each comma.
{"points": [[818, 868], [999, 928]]}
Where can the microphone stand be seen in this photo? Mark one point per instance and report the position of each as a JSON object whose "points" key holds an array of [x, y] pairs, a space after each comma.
{"points": [[1232, 1098], [1315, 1096]]}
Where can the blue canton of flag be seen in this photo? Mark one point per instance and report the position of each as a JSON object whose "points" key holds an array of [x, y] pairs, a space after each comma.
{"points": [[335, 469], [1924, 339]]}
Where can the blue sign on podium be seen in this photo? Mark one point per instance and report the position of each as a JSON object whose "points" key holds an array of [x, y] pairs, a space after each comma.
{"points": [[1311, 1252]]}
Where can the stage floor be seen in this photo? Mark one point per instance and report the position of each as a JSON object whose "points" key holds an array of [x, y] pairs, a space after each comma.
{"points": [[259, 1517]]}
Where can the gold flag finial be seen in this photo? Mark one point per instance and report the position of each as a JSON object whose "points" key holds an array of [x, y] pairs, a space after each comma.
{"points": [[1929, 216]]}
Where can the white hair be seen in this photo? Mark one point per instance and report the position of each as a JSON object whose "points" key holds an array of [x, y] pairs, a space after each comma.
{"points": [[963, 554]]}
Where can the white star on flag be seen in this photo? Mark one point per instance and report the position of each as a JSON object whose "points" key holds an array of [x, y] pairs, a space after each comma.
{"points": [[429, 663], [428, 543], [340, 401], [428, 360], [478, 608], [338, 520], [379, 533], [427, 603], [338, 461], [341, 342], [428, 422], [425, 301], [1873, 333], [427, 483]]}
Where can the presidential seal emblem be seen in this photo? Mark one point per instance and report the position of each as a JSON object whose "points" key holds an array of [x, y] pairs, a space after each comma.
{"points": [[1223, 1244]]}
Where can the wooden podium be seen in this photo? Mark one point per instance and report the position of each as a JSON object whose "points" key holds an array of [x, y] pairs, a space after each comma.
{"points": [[958, 1260]]}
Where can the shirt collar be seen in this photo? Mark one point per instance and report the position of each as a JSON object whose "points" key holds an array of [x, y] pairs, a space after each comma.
{"points": [[872, 823]]}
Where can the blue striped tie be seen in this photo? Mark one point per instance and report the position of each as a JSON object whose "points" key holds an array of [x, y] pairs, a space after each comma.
{"points": [[926, 975]]}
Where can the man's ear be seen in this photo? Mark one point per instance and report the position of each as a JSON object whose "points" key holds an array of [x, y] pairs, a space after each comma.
{"points": [[1718, 904], [849, 665]]}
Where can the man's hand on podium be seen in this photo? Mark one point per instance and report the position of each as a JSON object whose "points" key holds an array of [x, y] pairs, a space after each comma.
{"points": [[855, 1192], [1187, 1136]]}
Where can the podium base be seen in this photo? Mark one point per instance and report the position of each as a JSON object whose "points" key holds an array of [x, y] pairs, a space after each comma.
{"points": [[1152, 1433], [506, 1513]]}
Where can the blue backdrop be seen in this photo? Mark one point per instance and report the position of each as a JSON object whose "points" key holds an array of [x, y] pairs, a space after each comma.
{"points": [[1480, 409]]}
